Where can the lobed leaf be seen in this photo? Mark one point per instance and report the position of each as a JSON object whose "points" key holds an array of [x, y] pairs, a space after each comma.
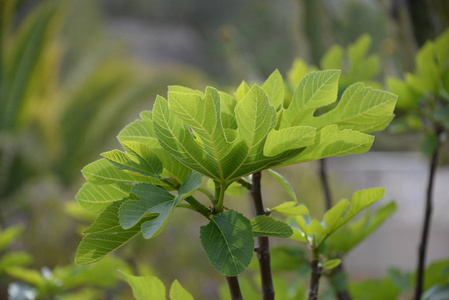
{"points": [[157, 202], [228, 242], [95, 198], [105, 235]]}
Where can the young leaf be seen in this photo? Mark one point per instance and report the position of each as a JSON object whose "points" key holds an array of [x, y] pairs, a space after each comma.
{"points": [[177, 292], [154, 201], [228, 242], [138, 158], [294, 137], [95, 198], [331, 141], [333, 263], [274, 87], [242, 90], [290, 208], [104, 172], [7, 236], [284, 183], [146, 287], [267, 226], [14, 259], [105, 235], [315, 90], [140, 131]]}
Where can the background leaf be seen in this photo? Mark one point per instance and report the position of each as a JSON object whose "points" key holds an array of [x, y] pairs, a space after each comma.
{"points": [[267, 226]]}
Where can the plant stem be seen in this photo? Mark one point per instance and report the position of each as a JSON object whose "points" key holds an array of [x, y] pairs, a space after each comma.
{"points": [[427, 217], [263, 249], [340, 282], [234, 288], [325, 184], [197, 206], [315, 278], [220, 193]]}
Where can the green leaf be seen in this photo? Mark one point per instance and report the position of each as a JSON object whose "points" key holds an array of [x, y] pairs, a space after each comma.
{"points": [[140, 131], [315, 90], [284, 183], [157, 202], [339, 214], [242, 90], [288, 138], [138, 158], [104, 172], [290, 208], [355, 231], [267, 226], [95, 198], [333, 58], [298, 71], [177, 292], [331, 264], [146, 287], [8, 236], [27, 275], [14, 259], [331, 141], [274, 87], [175, 137], [105, 235], [228, 242]]}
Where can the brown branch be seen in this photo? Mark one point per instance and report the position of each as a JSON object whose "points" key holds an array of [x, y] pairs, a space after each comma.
{"points": [[263, 249], [427, 218], [234, 288], [315, 279]]}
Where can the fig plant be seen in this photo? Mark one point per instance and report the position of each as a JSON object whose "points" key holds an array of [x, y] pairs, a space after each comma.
{"points": [[424, 106], [225, 138]]}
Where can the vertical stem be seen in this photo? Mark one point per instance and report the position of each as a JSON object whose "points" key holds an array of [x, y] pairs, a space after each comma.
{"points": [[234, 288], [339, 280], [263, 249], [325, 184], [427, 216], [315, 278]]}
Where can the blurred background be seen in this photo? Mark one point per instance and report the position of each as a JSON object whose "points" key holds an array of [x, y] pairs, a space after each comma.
{"points": [[75, 72]]}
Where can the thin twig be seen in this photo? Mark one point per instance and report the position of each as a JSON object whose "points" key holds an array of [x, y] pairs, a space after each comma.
{"points": [[234, 288], [427, 217], [263, 248], [325, 184]]}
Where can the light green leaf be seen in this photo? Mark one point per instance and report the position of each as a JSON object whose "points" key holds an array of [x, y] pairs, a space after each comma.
{"points": [[333, 58], [14, 259], [177, 292], [140, 131], [355, 231], [331, 141], [227, 105], [274, 87], [95, 198], [228, 242], [204, 118], [288, 138], [235, 189], [138, 158], [267, 226], [284, 183], [30, 276], [315, 90], [105, 235], [155, 201], [146, 287], [184, 90], [8, 236], [298, 71], [175, 137], [290, 208], [331, 264], [242, 90], [103, 171], [339, 214]]}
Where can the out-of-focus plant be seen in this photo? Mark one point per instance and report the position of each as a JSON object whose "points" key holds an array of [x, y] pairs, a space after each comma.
{"points": [[424, 102], [67, 282]]}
